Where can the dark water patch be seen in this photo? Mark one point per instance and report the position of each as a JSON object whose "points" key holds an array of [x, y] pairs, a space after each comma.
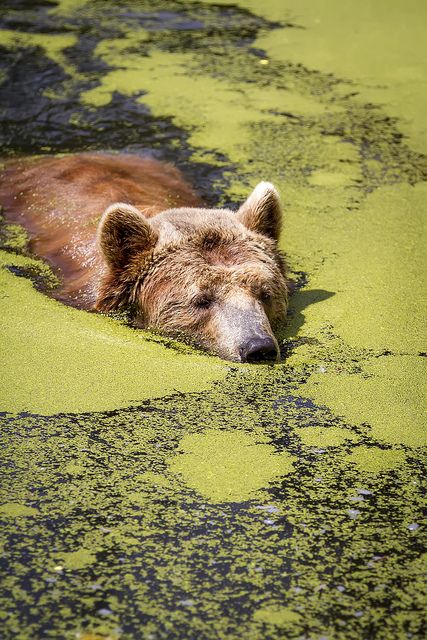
{"points": [[48, 117], [36, 124], [42, 278], [21, 5]]}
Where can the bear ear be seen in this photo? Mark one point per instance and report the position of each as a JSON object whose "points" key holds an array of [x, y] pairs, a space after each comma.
{"points": [[123, 232], [262, 211]]}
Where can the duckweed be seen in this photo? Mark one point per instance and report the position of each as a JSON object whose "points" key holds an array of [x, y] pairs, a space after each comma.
{"points": [[152, 491]]}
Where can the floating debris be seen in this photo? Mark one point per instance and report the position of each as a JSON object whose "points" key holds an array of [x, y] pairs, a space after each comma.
{"points": [[353, 513], [187, 603], [270, 508]]}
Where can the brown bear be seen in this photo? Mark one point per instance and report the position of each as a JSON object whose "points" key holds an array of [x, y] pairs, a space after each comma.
{"points": [[128, 232]]}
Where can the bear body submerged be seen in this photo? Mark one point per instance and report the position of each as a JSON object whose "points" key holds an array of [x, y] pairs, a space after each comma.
{"points": [[60, 202], [127, 232]]}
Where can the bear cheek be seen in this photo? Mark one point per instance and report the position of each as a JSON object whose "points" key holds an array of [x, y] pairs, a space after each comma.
{"points": [[276, 311], [277, 307], [152, 301], [206, 336]]}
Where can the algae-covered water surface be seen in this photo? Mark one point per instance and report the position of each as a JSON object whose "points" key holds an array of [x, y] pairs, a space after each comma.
{"points": [[150, 491]]}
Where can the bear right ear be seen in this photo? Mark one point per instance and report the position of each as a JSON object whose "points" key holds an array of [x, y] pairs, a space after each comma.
{"points": [[123, 232], [262, 211]]}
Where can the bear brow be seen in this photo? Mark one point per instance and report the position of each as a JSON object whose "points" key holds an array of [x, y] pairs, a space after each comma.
{"points": [[253, 274], [213, 238], [210, 280]]}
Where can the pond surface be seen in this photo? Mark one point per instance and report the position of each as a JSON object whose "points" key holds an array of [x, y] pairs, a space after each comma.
{"points": [[153, 492]]}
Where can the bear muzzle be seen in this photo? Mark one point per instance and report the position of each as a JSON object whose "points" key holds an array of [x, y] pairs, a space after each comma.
{"points": [[259, 349], [240, 331]]}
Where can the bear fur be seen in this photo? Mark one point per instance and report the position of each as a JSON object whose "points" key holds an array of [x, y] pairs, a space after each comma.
{"points": [[125, 232]]}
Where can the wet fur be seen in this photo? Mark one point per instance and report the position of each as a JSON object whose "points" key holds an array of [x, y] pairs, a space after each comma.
{"points": [[183, 269], [60, 200]]}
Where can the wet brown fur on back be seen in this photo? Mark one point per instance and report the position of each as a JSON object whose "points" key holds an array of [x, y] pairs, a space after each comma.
{"points": [[60, 201]]}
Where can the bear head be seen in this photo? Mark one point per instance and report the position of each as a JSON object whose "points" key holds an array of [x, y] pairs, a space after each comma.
{"points": [[212, 277]]}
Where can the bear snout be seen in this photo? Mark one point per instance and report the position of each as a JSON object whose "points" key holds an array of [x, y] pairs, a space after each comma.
{"points": [[258, 349]]}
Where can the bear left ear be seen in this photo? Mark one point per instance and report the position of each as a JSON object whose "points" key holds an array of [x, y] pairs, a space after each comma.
{"points": [[262, 211], [123, 232]]}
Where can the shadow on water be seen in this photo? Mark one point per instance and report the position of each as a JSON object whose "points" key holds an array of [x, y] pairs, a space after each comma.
{"points": [[288, 332], [299, 302]]}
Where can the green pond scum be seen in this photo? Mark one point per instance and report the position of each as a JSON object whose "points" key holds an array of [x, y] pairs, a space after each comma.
{"points": [[150, 491]]}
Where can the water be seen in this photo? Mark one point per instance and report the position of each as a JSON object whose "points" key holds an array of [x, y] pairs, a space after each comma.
{"points": [[153, 492]]}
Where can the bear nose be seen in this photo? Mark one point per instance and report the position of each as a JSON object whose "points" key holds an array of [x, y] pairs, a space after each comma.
{"points": [[258, 349]]}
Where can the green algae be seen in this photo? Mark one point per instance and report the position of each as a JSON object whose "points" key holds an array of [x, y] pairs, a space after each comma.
{"points": [[74, 469], [16, 510], [388, 396], [364, 52], [13, 237], [228, 466], [375, 460], [293, 553], [95, 636], [125, 51], [68, 7], [386, 392], [171, 87], [327, 179], [378, 269], [67, 360], [79, 559], [277, 616], [321, 547], [174, 91]]}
